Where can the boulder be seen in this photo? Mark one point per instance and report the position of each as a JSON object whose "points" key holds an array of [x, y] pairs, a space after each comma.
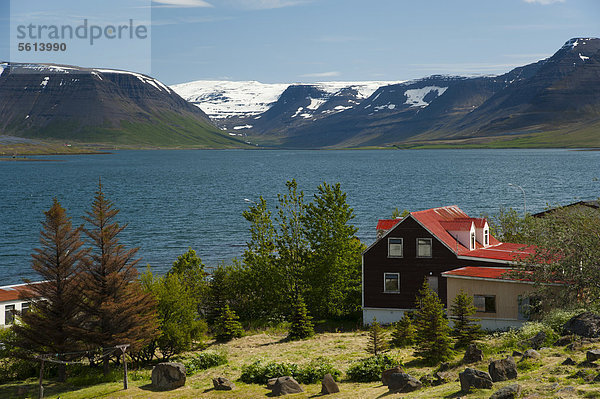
{"points": [[585, 325], [441, 377], [592, 355], [517, 353], [166, 376], [564, 341], [536, 341], [511, 391], [388, 372], [531, 354], [503, 369], [402, 382], [328, 385], [569, 362], [284, 386], [223, 384], [473, 354], [471, 378]]}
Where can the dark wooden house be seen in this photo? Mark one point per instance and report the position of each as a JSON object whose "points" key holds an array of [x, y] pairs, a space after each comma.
{"points": [[421, 246]]}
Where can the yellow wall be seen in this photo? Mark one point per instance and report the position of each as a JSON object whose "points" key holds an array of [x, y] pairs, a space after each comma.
{"points": [[507, 294]]}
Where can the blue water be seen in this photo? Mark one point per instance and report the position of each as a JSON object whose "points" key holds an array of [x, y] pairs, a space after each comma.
{"points": [[173, 200]]}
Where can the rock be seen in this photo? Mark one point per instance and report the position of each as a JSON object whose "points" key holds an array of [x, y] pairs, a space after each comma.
{"points": [[508, 392], [402, 382], [166, 376], [592, 355], [569, 362], [284, 386], [588, 364], [427, 380], [441, 377], [563, 341], [271, 383], [503, 369], [473, 354], [328, 385], [585, 325], [223, 384], [587, 377], [517, 353], [537, 341], [568, 390], [531, 354], [444, 366], [388, 372], [471, 378]]}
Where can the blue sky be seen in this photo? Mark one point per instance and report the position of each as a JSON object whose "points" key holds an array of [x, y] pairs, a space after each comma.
{"points": [[320, 40]]}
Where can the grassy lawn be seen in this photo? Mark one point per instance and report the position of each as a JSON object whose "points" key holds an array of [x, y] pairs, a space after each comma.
{"points": [[541, 379]]}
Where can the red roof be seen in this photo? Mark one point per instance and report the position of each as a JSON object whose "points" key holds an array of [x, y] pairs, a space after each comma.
{"points": [[496, 273], [386, 224], [440, 220], [13, 292]]}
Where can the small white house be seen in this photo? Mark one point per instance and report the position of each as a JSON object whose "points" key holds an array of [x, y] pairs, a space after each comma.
{"points": [[11, 303]]}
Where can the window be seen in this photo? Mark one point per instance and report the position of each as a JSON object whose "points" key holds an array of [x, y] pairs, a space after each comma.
{"points": [[485, 303], [24, 307], [486, 237], [423, 247], [433, 282], [528, 306], [395, 249], [391, 282], [9, 314], [473, 240]]}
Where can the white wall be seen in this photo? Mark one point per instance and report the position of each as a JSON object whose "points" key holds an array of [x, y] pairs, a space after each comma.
{"points": [[18, 303], [383, 315]]}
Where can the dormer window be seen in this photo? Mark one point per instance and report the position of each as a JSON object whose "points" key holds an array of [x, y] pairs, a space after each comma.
{"points": [[486, 237], [472, 240]]}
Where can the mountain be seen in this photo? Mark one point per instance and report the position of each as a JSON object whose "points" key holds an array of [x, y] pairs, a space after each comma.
{"points": [[553, 102], [59, 102]]}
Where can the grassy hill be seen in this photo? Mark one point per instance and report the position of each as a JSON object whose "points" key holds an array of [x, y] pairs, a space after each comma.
{"points": [[540, 379]]}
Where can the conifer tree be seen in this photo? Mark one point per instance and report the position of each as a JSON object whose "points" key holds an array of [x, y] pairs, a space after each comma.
{"points": [[377, 339], [404, 332], [302, 326], [118, 310], [227, 325], [466, 329], [49, 324], [432, 329]]}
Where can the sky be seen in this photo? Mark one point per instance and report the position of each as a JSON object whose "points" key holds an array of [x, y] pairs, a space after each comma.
{"points": [[285, 41]]}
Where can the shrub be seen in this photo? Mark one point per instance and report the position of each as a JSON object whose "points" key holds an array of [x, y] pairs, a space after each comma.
{"points": [[259, 372], [556, 318], [370, 369], [205, 360], [514, 338]]}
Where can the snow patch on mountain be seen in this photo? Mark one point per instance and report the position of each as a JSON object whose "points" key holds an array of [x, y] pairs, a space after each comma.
{"points": [[225, 99], [415, 97]]}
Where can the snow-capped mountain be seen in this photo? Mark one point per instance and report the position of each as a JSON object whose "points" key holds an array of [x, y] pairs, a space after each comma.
{"points": [[100, 105], [237, 106]]}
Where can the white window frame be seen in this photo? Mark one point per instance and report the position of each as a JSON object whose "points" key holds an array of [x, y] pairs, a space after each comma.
{"points": [[484, 296], [473, 240], [430, 247], [385, 288], [401, 247], [486, 237]]}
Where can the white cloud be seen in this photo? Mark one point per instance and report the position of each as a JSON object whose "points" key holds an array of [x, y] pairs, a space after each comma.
{"points": [[543, 2], [321, 74], [265, 4], [182, 3]]}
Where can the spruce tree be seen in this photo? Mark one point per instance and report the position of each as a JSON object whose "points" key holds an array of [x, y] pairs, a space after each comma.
{"points": [[466, 329], [118, 310], [227, 325], [432, 329], [302, 326], [404, 332], [50, 323], [377, 339]]}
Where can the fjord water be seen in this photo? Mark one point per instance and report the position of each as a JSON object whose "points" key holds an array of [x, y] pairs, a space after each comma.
{"points": [[172, 200]]}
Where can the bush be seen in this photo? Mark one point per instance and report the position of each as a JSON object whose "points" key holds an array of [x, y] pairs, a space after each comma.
{"points": [[205, 360], [368, 370], [260, 372], [556, 318], [514, 338]]}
